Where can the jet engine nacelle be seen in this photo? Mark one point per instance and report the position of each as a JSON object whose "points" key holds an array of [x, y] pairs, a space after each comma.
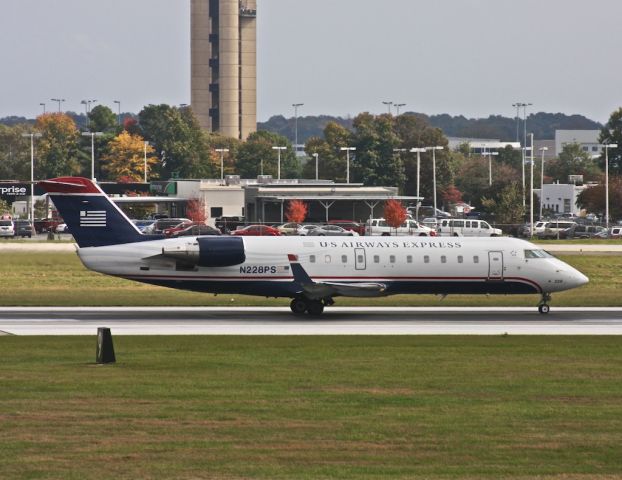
{"points": [[209, 252]]}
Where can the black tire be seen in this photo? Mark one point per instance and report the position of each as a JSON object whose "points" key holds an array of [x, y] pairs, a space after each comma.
{"points": [[298, 306], [544, 309], [315, 308], [423, 234]]}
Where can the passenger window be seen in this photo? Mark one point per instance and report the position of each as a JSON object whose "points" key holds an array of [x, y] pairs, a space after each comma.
{"points": [[475, 259], [458, 224], [426, 259], [360, 259], [392, 258], [460, 258], [312, 258], [344, 259], [409, 259], [327, 258], [485, 226], [443, 259], [467, 224], [376, 259]]}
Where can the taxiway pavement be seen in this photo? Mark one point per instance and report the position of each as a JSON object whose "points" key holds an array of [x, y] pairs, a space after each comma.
{"points": [[335, 321]]}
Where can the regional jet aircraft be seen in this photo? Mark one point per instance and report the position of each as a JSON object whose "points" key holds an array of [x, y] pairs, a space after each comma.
{"points": [[310, 271]]}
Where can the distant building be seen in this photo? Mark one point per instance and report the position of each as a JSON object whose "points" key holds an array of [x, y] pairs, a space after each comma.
{"points": [[224, 65], [479, 145], [561, 197], [588, 139]]}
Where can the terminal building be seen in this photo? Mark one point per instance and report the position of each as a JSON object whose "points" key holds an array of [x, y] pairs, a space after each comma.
{"points": [[224, 65]]}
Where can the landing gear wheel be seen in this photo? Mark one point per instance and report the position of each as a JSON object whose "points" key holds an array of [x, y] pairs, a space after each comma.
{"points": [[544, 309], [298, 306], [315, 307]]}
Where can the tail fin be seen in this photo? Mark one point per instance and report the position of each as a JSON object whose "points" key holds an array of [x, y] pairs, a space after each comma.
{"points": [[93, 219]]}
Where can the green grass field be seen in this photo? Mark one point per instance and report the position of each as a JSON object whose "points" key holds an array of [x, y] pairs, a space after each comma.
{"points": [[59, 279], [312, 407]]}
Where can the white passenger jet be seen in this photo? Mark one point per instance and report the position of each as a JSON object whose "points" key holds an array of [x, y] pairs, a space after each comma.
{"points": [[310, 271]]}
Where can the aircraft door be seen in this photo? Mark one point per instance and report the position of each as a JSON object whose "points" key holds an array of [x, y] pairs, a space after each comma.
{"points": [[495, 265], [359, 259]]}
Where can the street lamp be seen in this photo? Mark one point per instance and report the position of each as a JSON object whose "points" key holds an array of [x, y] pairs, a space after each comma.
{"points": [[418, 151], [489, 154], [397, 108], [278, 171], [434, 149], [607, 146], [296, 105], [87, 110], [118, 102], [316, 155], [146, 144], [59, 100], [93, 135], [32, 173], [388, 104], [348, 150], [542, 149], [518, 105], [531, 189], [43, 105], [222, 152]]}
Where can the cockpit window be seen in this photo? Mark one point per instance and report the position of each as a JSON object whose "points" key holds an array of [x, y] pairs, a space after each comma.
{"points": [[537, 254]]}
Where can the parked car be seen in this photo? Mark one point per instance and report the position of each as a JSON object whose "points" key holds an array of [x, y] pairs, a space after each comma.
{"points": [[305, 230], [455, 227], [290, 228], [332, 231], [163, 223], [379, 226], [61, 228], [7, 228], [43, 225], [229, 224], [430, 222], [23, 228], [615, 232], [588, 231], [349, 225], [142, 225], [556, 229], [258, 231], [168, 232], [196, 230]]}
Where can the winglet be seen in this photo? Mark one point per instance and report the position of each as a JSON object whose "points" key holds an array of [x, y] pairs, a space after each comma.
{"points": [[300, 275]]}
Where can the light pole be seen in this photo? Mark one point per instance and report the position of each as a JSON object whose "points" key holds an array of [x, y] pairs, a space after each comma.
{"points": [[397, 108], [607, 146], [43, 105], [32, 173], [222, 152], [542, 149], [434, 149], [490, 155], [93, 135], [518, 105], [146, 143], [418, 151], [388, 104], [316, 155], [531, 189], [59, 100], [348, 150], [87, 109], [118, 102], [278, 171], [296, 105]]}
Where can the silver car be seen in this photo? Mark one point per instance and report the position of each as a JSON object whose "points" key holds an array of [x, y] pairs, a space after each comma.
{"points": [[331, 230]]}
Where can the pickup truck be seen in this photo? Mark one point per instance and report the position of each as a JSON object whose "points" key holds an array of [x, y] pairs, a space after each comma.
{"points": [[379, 226]]}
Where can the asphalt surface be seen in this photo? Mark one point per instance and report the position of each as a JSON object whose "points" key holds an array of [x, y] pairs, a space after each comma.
{"points": [[335, 321]]}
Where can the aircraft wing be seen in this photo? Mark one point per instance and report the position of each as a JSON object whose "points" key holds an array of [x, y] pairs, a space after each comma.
{"points": [[316, 290]]}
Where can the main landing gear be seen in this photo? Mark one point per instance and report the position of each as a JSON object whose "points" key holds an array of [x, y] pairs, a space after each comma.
{"points": [[543, 306], [300, 305]]}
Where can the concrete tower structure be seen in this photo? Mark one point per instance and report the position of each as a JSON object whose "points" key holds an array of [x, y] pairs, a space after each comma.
{"points": [[224, 65]]}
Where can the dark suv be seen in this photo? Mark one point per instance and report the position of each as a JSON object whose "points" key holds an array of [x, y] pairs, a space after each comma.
{"points": [[23, 228]]}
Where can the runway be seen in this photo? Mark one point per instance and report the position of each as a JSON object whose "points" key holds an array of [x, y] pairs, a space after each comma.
{"points": [[335, 321]]}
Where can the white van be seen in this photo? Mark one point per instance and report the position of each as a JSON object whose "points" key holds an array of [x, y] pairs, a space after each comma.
{"points": [[379, 226], [7, 228], [454, 227]]}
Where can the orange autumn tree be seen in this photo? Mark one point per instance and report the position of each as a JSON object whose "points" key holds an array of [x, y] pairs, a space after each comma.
{"points": [[296, 211], [394, 213], [126, 157], [195, 210]]}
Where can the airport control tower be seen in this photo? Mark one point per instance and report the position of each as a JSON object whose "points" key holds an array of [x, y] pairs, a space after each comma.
{"points": [[224, 65]]}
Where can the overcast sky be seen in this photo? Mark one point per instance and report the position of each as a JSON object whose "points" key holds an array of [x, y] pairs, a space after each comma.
{"points": [[338, 57]]}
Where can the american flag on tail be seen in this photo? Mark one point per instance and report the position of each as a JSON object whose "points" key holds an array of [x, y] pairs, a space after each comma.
{"points": [[93, 218]]}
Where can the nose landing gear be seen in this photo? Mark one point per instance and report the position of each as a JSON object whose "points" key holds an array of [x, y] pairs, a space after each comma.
{"points": [[543, 306]]}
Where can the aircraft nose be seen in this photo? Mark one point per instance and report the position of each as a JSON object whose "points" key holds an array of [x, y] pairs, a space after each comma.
{"points": [[577, 279]]}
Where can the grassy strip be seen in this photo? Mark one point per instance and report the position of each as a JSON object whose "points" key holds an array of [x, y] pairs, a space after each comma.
{"points": [[312, 407], [60, 279]]}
